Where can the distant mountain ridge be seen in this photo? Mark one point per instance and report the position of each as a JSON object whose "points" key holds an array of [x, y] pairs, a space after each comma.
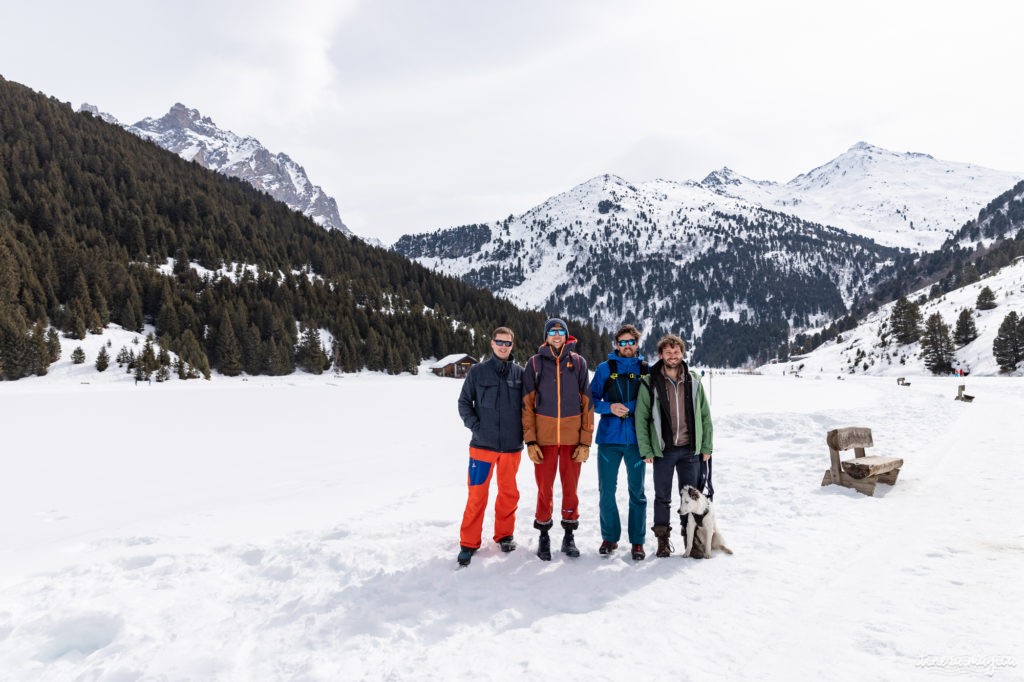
{"points": [[907, 200], [195, 137], [729, 260]]}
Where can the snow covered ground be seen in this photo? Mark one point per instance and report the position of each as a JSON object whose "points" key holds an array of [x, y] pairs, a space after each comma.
{"points": [[306, 528]]}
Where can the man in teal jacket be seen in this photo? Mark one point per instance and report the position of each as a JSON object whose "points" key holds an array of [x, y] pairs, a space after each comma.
{"points": [[673, 430], [614, 388]]}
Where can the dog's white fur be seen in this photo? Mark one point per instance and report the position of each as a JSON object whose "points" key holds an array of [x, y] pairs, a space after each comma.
{"points": [[706, 536]]}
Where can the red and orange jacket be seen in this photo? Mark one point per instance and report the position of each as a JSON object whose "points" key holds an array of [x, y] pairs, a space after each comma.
{"points": [[557, 407]]}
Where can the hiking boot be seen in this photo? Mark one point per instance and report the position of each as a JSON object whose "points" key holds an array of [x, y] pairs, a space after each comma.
{"points": [[466, 555], [607, 547], [544, 544], [664, 546], [638, 553], [507, 544], [568, 542]]}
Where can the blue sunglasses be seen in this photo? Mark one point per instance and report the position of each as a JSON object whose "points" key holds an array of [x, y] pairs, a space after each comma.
{"points": [[626, 342], [558, 332]]}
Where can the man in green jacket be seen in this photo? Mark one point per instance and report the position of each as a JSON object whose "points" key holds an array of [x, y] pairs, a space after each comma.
{"points": [[673, 430]]}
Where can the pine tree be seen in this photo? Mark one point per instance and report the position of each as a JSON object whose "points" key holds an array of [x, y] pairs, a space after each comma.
{"points": [[229, 354], [191, 353], [52, 345], [936, 346], [78, 355], [1008, 346], [310, 354], [986, 300], [147, 359], [965, 331], [905, 320], [102, 360]]}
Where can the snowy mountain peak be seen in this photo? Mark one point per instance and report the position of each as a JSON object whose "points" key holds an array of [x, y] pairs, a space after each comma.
{"points": [[180, 117], [907, 199], [95, 111], [194, 137], [722, 177]]}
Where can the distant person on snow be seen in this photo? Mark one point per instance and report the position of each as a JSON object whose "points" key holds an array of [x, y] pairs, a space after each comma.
{"points": [[558, 425], [614, 389], [673, 430], [491, 406]]}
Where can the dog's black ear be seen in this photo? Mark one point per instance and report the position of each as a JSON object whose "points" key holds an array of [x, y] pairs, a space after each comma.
{"points": [[694, 493]]}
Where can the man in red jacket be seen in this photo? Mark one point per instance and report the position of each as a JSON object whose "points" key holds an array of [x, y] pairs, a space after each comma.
{"points": [[558, 425]]}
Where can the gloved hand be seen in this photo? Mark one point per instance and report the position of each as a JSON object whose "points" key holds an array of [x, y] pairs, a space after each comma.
{"points": [[534, 453], [581, 454]]}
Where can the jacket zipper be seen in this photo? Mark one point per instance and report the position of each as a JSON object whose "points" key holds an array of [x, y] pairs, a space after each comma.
{"points": [[558, 392]]}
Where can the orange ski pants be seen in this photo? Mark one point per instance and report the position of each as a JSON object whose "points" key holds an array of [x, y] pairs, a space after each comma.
{"points": [[482, 464]]}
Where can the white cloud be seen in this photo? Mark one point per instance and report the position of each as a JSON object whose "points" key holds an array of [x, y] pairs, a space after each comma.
{"points": [[418, 115]]}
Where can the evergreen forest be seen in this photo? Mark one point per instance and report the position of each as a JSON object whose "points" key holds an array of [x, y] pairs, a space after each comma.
{"points": [[98, 226]]}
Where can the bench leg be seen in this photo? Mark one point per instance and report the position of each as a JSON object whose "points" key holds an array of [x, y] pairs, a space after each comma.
{"points": [[889, 477], [862, 485]]}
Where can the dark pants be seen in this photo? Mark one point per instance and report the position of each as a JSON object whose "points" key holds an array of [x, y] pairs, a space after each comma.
{"points": [[682, 461]]}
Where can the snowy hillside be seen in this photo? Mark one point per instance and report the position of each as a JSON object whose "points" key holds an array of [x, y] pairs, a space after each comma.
{"points": [[907, 200], [863, 345], [195, 137], [668, 255], [270, 530]]}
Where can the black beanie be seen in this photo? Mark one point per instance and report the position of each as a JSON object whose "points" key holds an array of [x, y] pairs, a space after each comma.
{"points": [[552, 322]]}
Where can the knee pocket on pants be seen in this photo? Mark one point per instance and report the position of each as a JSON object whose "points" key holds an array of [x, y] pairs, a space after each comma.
{"points": [[478, 471]]}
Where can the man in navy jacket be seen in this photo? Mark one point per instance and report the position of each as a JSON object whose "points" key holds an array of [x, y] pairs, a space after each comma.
{"points": [[491, 405]]}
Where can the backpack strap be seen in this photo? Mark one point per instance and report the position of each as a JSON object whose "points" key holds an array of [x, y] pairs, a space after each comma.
{"points": [[613, 377]]}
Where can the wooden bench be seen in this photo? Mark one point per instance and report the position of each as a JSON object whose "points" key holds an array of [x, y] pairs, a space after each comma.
{"points": [[960, 395], [862, 472], [902, 381]]}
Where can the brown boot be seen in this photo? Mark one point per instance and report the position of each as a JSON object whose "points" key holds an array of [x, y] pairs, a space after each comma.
{"points": [[664, 546]]}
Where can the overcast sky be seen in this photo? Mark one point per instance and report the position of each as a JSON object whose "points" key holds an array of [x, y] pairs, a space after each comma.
{"points": [[418, 114]]}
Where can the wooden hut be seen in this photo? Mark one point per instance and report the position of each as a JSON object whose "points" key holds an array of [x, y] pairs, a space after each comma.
{"points": [[454, 366]]}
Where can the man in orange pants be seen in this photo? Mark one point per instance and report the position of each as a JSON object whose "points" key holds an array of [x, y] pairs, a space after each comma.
{"points": [[491, 407]]}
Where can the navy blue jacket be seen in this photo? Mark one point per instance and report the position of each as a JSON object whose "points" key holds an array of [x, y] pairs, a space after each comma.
{"points": [[612, 429], [491, 405]]}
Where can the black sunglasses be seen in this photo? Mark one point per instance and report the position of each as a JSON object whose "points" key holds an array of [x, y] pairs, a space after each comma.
{"points": [[626, 342], [502, 343]]}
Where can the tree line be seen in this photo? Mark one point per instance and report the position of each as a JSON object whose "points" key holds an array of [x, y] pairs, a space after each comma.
{"points": [[939, 344]]}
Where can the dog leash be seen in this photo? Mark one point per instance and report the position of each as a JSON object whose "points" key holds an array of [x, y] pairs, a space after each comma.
{"points": [[705, 475]]}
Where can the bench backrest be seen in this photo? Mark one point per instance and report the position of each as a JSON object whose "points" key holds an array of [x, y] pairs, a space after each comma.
{"points": [[850, 437], [856, 437]]}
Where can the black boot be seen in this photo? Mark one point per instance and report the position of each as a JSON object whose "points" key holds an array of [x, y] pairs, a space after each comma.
{"points": [[544, 544], [664, 546], [568, 542], [466, 555]]}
